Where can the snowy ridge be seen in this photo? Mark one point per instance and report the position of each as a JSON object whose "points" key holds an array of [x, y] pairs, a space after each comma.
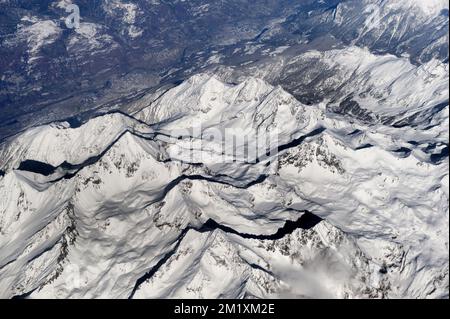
{"points": [[391, 102], [416, 29], [144, 204], [428, 7]]}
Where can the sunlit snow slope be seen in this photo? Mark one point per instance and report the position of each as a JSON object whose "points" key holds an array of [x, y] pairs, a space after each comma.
{"points": [[148, 205]]}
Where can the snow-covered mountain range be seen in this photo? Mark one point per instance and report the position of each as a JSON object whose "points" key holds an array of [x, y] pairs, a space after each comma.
{"points": [[334, 183]]}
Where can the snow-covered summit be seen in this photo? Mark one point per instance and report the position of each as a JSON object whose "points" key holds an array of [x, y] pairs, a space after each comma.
{"points": [[148, 204]]}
